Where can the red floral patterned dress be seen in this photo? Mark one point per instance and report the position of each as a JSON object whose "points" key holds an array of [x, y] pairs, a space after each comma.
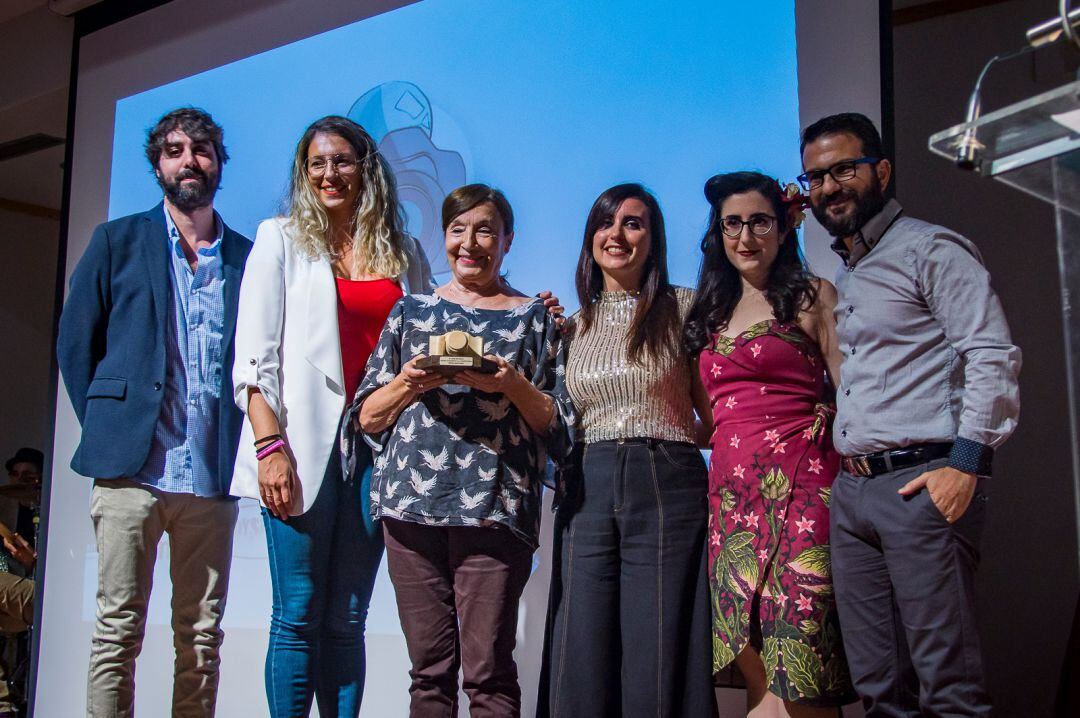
{"points": [[770, 475]]}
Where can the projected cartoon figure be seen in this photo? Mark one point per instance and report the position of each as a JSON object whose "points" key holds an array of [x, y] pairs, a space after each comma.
{"points": [[398, 116]]}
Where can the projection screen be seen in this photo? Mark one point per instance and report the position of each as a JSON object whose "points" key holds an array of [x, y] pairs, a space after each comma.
{"points": [[551, 102]]}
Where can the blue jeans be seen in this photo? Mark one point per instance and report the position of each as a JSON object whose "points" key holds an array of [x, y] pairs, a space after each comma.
{"points": [[322, 566]]}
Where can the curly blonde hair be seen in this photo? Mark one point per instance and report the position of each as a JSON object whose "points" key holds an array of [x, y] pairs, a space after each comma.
{"points": [[378, 224]]}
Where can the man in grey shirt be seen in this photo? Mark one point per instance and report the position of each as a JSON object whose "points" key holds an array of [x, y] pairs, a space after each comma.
{"points": [[928, 391]]}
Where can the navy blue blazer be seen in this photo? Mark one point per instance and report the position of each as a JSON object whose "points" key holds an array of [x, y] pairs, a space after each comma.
{"points": [[111, 346]]}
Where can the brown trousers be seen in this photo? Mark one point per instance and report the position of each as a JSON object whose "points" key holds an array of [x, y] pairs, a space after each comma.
{"points": [[457, 592]]}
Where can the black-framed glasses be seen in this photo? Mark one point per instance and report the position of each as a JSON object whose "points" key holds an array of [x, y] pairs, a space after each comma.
{"points": [[759, 224], [841, 172], [342, 164]]}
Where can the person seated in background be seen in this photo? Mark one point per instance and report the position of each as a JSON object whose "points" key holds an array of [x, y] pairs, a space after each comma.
{"points": [[18, 558], [458, 469], [23, 494], [16, 616], [17, 592], [17, 563], [25, 467]]}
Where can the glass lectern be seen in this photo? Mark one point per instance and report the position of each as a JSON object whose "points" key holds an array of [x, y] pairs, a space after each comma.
{"points": [[1034, 146]]}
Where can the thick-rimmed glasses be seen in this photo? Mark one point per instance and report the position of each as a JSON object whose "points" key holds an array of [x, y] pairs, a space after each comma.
{"points": [[342, 164], [841, 172], [759, 224]]}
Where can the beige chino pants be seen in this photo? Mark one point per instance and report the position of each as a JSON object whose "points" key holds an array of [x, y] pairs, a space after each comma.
{"points": [[16, 603], [16, 615], [129, 520]]}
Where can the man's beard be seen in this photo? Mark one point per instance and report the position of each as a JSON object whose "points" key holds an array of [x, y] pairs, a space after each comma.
{"points": [[191, 195], [866, 206]]}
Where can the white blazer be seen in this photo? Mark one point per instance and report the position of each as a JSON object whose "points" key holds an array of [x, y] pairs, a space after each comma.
{"points": [[288, 346]]}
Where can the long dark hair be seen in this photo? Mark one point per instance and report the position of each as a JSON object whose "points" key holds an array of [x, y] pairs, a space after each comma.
{"points": [[789, 286], [654, 329]]}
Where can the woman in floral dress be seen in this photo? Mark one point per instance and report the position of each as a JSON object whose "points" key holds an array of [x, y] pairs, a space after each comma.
{"points": [[763, 331]]}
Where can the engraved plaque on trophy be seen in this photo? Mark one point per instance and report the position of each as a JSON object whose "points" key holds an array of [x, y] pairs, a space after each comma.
{"points": [[455, 350]]}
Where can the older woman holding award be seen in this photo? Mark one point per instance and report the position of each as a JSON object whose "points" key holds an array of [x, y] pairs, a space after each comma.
{"points": [[456, 404]]}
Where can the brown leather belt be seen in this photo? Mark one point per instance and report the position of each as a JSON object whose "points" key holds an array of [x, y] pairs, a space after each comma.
{"points": [[883, 462]]}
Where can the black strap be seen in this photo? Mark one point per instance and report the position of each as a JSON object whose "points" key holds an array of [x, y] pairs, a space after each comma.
{"points": [[883, 462]]}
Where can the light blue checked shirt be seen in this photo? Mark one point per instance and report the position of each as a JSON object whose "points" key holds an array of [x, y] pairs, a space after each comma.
{"points": [[184, 454]]}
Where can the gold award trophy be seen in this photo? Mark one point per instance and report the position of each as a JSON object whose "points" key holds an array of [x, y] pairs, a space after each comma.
{"points": [[456, 350]]}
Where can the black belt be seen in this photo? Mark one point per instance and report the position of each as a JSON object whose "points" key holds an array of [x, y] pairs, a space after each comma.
{"points": [[885, 461]]}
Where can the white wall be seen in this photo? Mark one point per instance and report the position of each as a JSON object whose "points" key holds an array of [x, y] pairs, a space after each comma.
{"points": [[839, 71]]}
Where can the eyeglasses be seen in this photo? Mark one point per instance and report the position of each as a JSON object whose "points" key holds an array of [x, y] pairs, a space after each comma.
{"points": [[841, 172], [342, 164], [759, 224]]}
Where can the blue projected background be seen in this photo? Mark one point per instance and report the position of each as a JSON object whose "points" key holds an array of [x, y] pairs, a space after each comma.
{"points": [[550, 106], [553, 103]]}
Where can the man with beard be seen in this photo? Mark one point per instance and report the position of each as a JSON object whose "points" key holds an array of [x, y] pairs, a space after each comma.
{"points": [[928, 390], [146, 352]]}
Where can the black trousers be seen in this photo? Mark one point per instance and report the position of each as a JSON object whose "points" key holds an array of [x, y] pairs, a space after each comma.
{"points": [[905, 588], [628, 625]]}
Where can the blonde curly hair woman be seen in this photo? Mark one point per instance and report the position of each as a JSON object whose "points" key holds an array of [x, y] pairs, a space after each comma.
{"points": [[319, 285]]}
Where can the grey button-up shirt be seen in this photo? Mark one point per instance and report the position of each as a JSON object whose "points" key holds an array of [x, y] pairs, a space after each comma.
{"points": [[927, 351]]}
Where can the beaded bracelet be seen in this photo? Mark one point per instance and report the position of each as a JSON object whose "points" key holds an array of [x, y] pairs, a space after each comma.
{"points": [[267, 450], [265, 439]]}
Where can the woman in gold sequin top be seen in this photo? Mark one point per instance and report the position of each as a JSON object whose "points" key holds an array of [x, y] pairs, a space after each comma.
{"points": [[629, 617]]}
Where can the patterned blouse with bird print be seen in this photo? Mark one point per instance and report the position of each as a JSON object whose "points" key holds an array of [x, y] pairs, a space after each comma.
{"points": [[457, 456]]}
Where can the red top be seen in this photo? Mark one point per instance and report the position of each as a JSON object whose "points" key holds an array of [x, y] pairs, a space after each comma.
{"points": [[362, 309]]}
